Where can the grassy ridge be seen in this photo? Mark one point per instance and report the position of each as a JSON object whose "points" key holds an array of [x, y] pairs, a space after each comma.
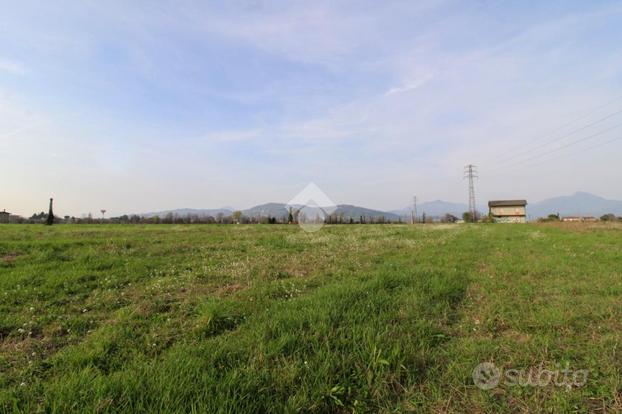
{"points": [[269, 318]]}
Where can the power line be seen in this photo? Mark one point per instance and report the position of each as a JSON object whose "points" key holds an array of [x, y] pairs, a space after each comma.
{"points": [[581, 117], [577, 141], [562, 137], [600, 144]]}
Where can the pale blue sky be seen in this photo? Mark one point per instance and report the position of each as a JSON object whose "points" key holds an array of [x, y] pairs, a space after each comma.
{"points": [[142, 106]]}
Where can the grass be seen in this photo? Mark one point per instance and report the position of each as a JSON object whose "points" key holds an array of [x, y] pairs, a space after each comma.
{"points": [[371, 318]]}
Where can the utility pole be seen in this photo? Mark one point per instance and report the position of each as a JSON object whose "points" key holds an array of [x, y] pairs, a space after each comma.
{"points": [[470, 172]]}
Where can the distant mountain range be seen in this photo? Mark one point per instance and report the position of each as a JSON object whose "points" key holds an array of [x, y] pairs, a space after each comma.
{"points": [[578, 204], [348, 211], [182, 212], [277, 210]]}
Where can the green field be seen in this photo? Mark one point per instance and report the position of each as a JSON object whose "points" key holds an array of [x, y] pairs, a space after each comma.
{"points": [[268, 318]]}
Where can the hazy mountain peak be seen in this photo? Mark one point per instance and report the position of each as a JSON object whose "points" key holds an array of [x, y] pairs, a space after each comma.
{"points": [[584, 194], [580, 203]]}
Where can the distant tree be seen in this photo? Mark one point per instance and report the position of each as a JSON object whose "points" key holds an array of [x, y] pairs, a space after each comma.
{"points": [[168, 218], [467, 217], [608, 217], [488, 219], [449, 218], [38, 217], [549, 218], [236, 216]]}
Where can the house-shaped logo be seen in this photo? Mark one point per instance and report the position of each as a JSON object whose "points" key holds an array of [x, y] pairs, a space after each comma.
{"points": [[311, 207]]}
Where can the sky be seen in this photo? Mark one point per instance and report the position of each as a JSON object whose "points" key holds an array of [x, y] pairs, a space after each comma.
{"points": [[151, 105]]}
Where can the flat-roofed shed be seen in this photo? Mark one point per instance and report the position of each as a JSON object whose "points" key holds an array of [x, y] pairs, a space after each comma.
{"points": [[508, 211]]}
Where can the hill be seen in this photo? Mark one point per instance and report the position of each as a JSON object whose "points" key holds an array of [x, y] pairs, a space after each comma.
{"points": [[355, 212], [348, 211], [580, 203], [577, 204], [183, 212], [277, 210]]}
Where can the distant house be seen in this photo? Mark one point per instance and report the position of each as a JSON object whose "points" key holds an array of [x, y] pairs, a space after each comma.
{"points": [[4, 217], [508, 211], [575, 219]]}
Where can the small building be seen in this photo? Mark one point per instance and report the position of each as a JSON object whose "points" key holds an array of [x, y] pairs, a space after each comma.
{"points": [[508, 211], [4, 217], [577, 219]]}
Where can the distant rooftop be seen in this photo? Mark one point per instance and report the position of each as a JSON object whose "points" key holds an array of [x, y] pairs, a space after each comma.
{"points": [[507, 203]]}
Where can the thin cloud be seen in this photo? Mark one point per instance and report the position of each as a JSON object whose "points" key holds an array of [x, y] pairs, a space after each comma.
{"points": [[12, 67], [237, 135], [409, 86], [18, 131]]}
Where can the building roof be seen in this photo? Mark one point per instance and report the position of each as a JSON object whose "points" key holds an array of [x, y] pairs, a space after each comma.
{"points": [[507, 203], [4, 212]]}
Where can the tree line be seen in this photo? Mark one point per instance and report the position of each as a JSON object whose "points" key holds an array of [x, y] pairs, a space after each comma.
{"points": [[237, 217], [170, 218]]}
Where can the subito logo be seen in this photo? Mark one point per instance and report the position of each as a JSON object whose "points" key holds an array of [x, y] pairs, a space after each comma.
{"points": [[486, 376]]}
